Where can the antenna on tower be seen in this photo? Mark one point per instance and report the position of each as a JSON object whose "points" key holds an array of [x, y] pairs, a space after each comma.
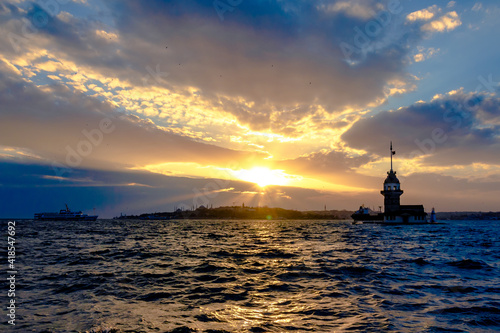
{"points": [[393, 152]]}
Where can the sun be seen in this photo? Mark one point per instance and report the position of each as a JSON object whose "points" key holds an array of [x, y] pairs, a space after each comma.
{"points": [[263, 176]]}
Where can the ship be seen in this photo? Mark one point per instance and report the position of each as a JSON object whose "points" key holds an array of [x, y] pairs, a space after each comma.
{"points": [[64, 215], [394, 212], [366, 215]]}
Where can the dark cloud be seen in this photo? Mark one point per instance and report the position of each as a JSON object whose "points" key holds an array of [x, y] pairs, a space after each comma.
{"points": [[458, 128]]}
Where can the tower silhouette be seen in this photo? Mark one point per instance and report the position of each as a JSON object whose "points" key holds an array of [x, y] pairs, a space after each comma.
{"points": [[392, 191]]}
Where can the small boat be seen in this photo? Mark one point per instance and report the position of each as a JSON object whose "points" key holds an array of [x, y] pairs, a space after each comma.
{"points": [[366, 215], [64, 215]]}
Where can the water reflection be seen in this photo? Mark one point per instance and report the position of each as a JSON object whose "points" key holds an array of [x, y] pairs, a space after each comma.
{"points": [[279, 269]]}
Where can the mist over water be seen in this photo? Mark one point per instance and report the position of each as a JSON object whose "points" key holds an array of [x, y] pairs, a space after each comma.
{"points": [[256, 276]]}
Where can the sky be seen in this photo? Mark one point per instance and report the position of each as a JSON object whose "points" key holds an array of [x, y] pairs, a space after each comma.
{"points": [[124, 106]]}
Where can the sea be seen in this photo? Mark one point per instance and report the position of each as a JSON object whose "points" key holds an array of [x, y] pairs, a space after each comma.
{"points": [[253, 276]]}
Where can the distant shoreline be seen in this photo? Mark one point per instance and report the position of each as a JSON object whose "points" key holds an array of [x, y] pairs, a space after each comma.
{"points": [[242, 213], [263, 213]]}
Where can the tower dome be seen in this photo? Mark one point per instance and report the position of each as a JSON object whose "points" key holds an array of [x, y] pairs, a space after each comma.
{"points": [[391, 178], [391, 182]]}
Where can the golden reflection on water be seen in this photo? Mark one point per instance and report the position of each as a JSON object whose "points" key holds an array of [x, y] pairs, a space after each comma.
{"points": [[270, 302], [262, 313]]}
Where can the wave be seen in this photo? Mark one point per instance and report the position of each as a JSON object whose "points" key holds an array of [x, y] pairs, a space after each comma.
{"points": [[154, 296], [469, 264]]}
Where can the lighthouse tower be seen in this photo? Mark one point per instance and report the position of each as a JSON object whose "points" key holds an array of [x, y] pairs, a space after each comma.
{"points": [[391, 192], [394, 212]]}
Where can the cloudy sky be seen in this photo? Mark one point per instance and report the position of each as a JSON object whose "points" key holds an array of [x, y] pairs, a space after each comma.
{"points": [[142, 106]]}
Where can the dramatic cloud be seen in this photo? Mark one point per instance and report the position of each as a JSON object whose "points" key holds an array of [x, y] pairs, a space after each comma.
{"points": [[454, 129], [74, 130], [263, 59]]}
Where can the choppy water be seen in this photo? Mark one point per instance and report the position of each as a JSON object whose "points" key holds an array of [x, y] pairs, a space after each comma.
{"points": [[256, 276]]}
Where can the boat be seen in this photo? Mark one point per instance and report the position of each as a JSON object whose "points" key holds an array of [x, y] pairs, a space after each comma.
{"points": [[366, 215], [64, 215]]}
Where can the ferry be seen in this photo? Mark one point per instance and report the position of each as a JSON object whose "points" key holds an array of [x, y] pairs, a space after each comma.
{"points": [[64, 215], [366, 215]]}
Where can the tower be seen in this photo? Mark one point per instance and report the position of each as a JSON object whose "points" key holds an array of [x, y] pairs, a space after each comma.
{"points": [[392, 191]]}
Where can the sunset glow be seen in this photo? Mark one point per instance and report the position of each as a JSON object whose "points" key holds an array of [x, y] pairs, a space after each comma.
{"points": [[263, 176]]}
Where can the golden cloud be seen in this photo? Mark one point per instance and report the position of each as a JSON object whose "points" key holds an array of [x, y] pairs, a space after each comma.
{"points": [[446, 22]]}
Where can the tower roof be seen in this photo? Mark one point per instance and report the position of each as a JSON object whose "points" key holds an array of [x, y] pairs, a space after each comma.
{"points": [[391, 177]]}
